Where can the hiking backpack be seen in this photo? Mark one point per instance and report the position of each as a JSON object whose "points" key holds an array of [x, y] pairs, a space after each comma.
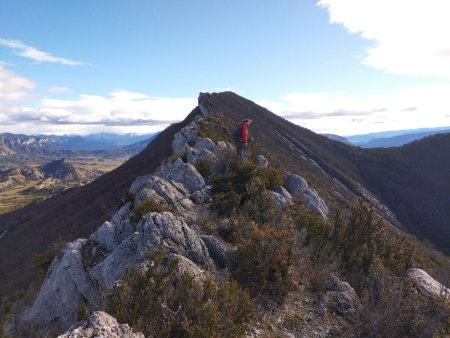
{"points": [[237, 132]]}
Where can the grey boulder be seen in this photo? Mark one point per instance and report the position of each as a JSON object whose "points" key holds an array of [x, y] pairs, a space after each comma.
{"points": [[341, 299], [184, 173], [426, 284], [101, 325], [299, 189]]}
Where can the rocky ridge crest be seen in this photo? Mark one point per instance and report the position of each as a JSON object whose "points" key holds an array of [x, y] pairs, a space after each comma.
{"points": [[85, 269]]}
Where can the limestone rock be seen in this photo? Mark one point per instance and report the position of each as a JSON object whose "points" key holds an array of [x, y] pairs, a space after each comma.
{"points": [[261, 161], [145, 188], [295, 184], [298, 188], [205, 144], [201, 196], [220, 253], [426, 284], [340, 299], [101, 325], [185, 265], [184, 173], [314, 202], [175, 235], [146, 194], [185, 137], [153, 231], [66, 286], [281, 197]]}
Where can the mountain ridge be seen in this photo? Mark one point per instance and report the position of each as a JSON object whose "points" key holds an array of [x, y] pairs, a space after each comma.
{"points": [[336, 170]]}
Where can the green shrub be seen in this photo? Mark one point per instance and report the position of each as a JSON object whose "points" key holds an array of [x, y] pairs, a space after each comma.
{"points": [[264, 259], [226, 203], [126, 197], [203, 166], [82, 312], [146, 207], [43, 260], [271, 177], [211, 310], [243, 187], [158, 305], [257, 203]]}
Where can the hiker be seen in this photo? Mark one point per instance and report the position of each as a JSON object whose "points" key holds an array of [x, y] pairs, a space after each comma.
{"points": [[240, 133]]}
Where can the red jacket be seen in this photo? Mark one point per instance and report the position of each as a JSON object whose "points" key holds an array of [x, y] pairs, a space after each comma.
{"points": [[244, 133]]}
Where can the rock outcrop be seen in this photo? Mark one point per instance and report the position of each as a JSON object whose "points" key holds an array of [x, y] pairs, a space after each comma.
{"points": [[261, 161], [426, 284], [66, 286], [299, 189], [281, 197], [85, 269], [341, 299], [101, 325], [220, 253]]}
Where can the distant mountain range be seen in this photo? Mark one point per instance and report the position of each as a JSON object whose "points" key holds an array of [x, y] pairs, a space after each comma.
{"points": [[101, 141], [22, 150], [388, 139]]}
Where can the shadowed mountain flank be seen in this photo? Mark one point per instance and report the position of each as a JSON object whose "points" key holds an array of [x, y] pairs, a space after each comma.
{"points": [[74, 213]]}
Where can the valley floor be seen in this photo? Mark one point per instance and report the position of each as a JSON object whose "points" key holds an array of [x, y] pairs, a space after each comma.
{"points": [[18, 195]]}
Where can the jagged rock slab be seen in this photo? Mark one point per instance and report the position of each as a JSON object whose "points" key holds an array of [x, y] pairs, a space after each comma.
{"points": [[155, 230], [66, 286], [184, 173], [426, 284], [220, 253]]}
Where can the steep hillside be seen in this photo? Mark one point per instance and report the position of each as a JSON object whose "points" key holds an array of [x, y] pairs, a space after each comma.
{"points": [[72, 214], [412, 181]]}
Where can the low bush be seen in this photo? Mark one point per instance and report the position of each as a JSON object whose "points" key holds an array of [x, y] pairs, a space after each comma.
{"points": [[158, 305], [43, 260], [243, 187], [146, 207], [203, 166], [264, 260]]}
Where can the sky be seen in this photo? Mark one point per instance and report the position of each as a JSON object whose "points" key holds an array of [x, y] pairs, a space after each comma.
{"points": [[344, 67]]}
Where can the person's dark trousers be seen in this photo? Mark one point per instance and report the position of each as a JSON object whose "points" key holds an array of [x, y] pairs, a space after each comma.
{"points": [[240, 147]]}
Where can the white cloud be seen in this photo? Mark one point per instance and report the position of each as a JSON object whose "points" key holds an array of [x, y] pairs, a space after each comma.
{"points": [[410, 36], [121, 111], [13, 88], [338, 113], [59, 90], [36, 54]]}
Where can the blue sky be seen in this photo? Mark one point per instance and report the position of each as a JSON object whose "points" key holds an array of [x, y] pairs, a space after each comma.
{"points": [[343, 67]]}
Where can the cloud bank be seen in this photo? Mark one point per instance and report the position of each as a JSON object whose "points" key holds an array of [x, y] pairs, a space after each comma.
{"points": [[338, 113], [120, 111], [410, 36]]}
